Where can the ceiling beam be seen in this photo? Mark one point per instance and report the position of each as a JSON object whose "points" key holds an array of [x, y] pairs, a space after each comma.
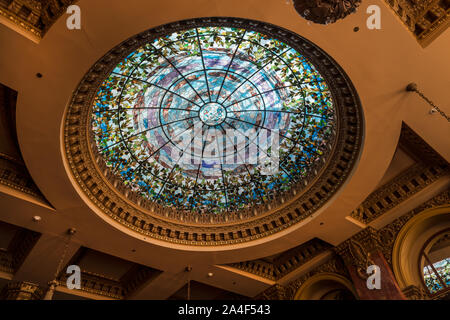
{"points": [[41, 263]]}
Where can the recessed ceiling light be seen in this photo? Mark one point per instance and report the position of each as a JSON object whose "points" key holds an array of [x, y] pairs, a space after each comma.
{"points": [[210, 274], [37, 218]]}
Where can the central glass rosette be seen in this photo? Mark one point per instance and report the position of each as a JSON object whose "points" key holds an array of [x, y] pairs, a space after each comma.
{"points": [[212, 114], [233, 93]]}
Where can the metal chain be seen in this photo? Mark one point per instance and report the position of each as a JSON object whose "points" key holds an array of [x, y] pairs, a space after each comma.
{"points": [[435, 107]]}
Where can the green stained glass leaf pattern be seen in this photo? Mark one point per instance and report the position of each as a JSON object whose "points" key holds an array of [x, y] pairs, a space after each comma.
{"points": [[162, 119]]}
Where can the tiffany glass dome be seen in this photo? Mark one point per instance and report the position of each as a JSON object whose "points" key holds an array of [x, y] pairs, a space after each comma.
{"points": [[212, 131], [242, 101]]}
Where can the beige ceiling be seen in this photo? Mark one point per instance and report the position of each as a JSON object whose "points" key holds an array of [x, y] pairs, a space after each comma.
{"points": [[379, 62]]}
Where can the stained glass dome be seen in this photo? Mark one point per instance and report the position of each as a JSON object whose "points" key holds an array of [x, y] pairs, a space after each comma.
{"points": [[243, 98]]}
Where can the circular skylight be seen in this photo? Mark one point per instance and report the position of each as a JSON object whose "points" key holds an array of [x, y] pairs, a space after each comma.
{"points": [[213, 119], [212, 131]]}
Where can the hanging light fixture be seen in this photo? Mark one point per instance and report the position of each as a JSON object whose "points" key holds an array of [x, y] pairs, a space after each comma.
{"points": [[53, 284], [325, 11]]}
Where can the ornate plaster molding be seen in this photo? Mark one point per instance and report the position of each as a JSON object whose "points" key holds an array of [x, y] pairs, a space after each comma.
{"points": [[18, 249], [15, 176], [429, 168], [425, 19], [21, 291], [286, 262], [32, 16], [13, 172], [102, 285]]}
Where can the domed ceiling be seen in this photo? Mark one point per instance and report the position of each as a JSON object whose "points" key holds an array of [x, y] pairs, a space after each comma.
{"points": [[213, 131]]}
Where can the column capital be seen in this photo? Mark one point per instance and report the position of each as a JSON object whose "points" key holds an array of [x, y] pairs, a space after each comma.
{"points": [[357, 250]]}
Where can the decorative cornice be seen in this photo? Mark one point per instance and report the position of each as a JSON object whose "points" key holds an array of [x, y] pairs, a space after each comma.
{"points": [[419, 149], [275, 292], [286, 262], [97, 285], [33, 16], [6, 262], [398, 190], [103, 285], [16, 176], [430, 167], [21, 245], [136, 277], [21, 291], [13, 172], [207, 229], [18, 249], [426, 19]]}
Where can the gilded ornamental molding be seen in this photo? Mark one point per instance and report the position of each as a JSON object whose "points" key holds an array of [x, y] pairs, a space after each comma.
{"points": [[399, 189], [102, 285], [12, 257], [425, 19], [284, 263], [429, 167], [13, 172], [34, 17], [21, 291]]}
